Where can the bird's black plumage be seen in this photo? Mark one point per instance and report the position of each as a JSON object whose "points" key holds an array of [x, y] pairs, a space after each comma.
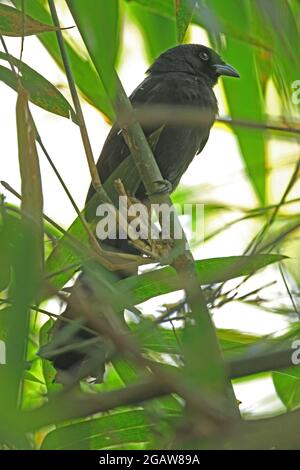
{"points": [[182, 76]]}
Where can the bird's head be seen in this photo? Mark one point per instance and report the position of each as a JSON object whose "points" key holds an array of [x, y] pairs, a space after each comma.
{"points": [[194, 59]]}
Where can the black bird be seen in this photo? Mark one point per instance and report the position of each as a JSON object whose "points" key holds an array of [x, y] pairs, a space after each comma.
{"points": [[181, 76]]}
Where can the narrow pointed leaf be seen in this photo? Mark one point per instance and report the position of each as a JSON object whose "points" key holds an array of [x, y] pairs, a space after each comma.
{"points": [[184, 14], [159, 32], [14, 23], [32, 195], [209, 271], [115, 429], [287, 385], [160, 7], [41, 91], [98, 24], [86, 77]]}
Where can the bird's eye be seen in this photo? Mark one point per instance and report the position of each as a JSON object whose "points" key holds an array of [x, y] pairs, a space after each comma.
{"points": [[204, 56]]}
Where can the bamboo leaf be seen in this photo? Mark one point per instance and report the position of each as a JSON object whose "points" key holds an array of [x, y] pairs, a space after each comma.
{"points": [[244, 96], [287, 385], [86, 77], [245, 101], [49, 372], [218, 22], [32, 195], [159, 32], [213, 270], [184, 14], [98, 24], [160, 7], [120, 429], [14, 23], [41, 91], [278, 25], [5, 249], [23, 290], [164, 341]]}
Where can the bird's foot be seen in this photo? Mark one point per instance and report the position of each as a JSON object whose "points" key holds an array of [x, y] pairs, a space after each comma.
{"points": [[163, 187]]}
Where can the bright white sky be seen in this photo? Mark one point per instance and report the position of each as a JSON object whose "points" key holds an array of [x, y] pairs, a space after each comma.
{"points": [[219, 178]]}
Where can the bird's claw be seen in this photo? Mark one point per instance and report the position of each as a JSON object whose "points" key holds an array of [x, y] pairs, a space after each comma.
{"points": [[163, 187]]}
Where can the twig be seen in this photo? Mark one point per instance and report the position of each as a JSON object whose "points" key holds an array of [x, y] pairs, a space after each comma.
{"points": [[261, 363], [17, 195], [72, 406], [9, 57], [288, 290], [258, 239], [107, 324], [111, 260], [23, 29], [94, 243]]}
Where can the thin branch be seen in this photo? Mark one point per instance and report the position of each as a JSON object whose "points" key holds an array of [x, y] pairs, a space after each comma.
{"points": [[288, 290], [250, 214], [11, 64], [94, 243], [111, 260], [72, 406], [258, 239], [261, 363], [101, 317], [23, 30], [253, 246]]}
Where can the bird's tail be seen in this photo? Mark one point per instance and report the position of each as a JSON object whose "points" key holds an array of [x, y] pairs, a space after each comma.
{"points": [[75, 349]]}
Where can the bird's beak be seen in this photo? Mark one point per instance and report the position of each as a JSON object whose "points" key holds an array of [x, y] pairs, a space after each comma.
{"points": [[226, 69]]}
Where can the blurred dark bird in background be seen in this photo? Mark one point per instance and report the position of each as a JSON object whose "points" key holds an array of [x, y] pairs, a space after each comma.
{"points": [[181, 76]]}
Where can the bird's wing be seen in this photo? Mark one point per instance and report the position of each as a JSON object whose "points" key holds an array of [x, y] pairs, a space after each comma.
{"points": [[166, 89], [179, 143]]}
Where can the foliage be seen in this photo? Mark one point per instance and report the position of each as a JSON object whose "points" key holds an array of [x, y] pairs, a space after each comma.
{"points": [[161, 363]]}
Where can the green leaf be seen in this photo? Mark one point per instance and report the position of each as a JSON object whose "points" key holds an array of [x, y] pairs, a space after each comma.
{"points": [[159, 32], [41, 91], [32, 378], [245, 101], [287, 385], [15, 320], [86, 77], [210, 271], [14, 23], [49, 372], [165, 341], [278, 26], [234, 343], [32, 193], [244, 96], [184, 13], [98, 24], [120, 429], [219, 22], [160, 7], [7, 225]]}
